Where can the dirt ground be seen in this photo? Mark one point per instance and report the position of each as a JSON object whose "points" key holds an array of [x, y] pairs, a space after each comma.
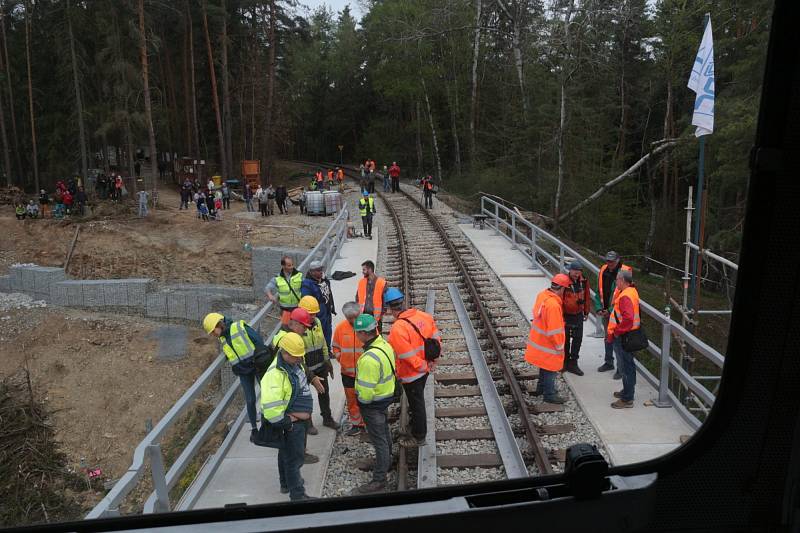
{"points": [[100, 378], [170, 245]]}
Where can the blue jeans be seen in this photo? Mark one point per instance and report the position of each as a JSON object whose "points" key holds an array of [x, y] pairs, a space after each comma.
{"points": [[546, 384], [249, 202], [381, 438], [628, 370], [248, 383], [290, 460], [610, 349], [387, 183]]}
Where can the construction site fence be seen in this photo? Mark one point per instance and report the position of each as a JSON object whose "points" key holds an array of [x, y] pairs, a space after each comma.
{"points": [[546, 252], [148, 454]]}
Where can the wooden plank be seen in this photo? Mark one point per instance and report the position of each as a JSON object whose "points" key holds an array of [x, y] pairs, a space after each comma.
{"points": [[555, 429], [456, 378], [440, 392], [465, 434], [479, 460], [460, 412], [527, 375], [539, 408], [509, 345]]}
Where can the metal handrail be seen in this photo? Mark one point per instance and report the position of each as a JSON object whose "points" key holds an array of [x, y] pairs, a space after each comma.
{"points": [[504, 220], [150, 446]]}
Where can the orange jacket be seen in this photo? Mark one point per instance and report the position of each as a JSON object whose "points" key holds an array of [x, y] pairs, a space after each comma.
{"points": [[340, 175], [617, 317], [614, 284], [409, 347], [579, 290], [330, 174], [546, 340], [346, 348], [318, 176], [377, 296]]}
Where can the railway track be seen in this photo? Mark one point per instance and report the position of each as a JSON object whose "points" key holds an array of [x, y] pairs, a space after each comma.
{"points": [[481, 417]]}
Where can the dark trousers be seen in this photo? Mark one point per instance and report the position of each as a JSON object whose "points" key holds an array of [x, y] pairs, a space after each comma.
{"points": [[609, 346], [546, 385], [628, 370], [428, 199], [396, 184], [248, 382], [574, 336], [226, 203], [367, 223], [290, 460], [324, 397], [415, 393], [263, 209], [381, 438], [281, 204], [372, 185]]}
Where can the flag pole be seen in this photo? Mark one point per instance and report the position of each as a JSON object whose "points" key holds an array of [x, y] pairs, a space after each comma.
{"points": [[695, 275]]}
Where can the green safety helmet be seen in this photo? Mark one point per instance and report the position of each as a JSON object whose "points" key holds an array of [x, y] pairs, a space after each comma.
{"points": [[365, 323]]}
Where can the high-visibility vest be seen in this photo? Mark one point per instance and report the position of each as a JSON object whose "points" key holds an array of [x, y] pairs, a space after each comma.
{"points": [[289, 293], [613, 284], [546, 339], [346, 347], [237, 345], [318, 176], [316, 346], [375, 373], [362, 206], [616, 316], [340, 175], [409, 346], [377, 296], [330, 175], [276, 392]]}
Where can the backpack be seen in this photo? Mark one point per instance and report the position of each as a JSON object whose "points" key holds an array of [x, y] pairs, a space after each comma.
{"points": [[432, 348]]}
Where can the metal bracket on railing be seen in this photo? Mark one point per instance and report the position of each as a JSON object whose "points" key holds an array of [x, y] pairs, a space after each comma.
{"points": [[159, 475]]}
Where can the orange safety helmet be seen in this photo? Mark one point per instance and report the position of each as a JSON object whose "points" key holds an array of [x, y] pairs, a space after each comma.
{"points": [[562, 280]]}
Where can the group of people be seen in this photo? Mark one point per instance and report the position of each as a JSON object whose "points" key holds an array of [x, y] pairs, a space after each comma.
{"points": [[554, 341], [374, 368], [319, 183], [69, 198], [211, 200], [390, 176]]}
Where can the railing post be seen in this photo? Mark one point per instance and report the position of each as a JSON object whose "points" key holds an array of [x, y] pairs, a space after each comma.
{"points": [[496, 218], [663, 378], [159, 478], [534, 263], [513, 231]]}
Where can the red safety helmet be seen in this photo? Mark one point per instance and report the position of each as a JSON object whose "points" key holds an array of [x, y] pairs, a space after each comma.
{"points": [[561, 280], [301, 315]]}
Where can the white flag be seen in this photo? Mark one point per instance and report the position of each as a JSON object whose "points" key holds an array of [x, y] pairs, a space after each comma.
{"points": [[701, 81]]}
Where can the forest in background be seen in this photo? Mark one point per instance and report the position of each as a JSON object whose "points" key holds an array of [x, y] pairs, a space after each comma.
{"points": [[538, 101]]}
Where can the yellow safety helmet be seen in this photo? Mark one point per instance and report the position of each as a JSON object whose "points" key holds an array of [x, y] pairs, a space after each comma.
{"points": [[293, 344], [310, 304], [210, 322]]}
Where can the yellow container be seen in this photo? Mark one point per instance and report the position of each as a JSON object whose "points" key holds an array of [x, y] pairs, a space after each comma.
{"points": [[217, 181]]}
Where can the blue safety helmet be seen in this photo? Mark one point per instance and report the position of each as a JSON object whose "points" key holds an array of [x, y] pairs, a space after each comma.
{"points": [[392, 295], [365, 193]]}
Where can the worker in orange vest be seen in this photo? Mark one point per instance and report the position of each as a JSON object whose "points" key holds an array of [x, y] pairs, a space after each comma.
{"points": [[410, 329], [546, 339], [330, 179], [624, 319], [320, 180], [369, 295], [576, 312], [347, 349], [604, 302], [340, 178]]}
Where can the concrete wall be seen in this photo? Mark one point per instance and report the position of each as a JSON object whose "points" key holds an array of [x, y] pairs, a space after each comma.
{"points": [[102, 293], [5, 283], [34, 280], [266, 262]]}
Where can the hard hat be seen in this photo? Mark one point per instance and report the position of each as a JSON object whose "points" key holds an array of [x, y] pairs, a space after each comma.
{"points": [[562, 280], [310, 304], [301, 315], [365, 322], [293, 344], [392, 295], [210, 322], [575, 265], [365, 193]]}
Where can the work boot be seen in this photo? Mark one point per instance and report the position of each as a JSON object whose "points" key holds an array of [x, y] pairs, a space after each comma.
{"points": [[618, 394], [537, 392], [558, 400], [617, 376], [365, 465], [605, 367], [354, 431], [311, 430], [309, 459], [284, 490], [411, 442], [329, 422], [622, 404], [369, 488], [573, 368], [254, 435], [364, 437]]}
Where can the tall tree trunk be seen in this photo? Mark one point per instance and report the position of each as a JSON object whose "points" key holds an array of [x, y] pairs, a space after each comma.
{"points": [[560, 145], [623, 118], [214, 94], [418, 120], [253, 114], [35, 156], [78, 98], [195, 122], [453, 104], [668, 128], [131, 150], [651, 232], [174, 113], [434, 138], [104, 150], [187, 98], [6, 148], [473, 106], [148, 111], [226, 96], [516, 38], [11, 106], [268, 135]]}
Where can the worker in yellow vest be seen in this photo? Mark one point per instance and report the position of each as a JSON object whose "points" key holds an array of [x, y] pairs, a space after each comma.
{"points": [[624, 319], [366, 209]]}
